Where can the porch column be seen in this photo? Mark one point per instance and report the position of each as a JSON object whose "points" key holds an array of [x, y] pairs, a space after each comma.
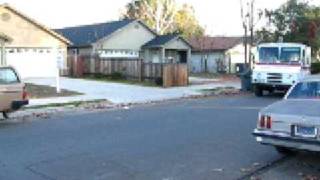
{"points": [[3, 60], [163, 55], [189, 56], [189, 63]]}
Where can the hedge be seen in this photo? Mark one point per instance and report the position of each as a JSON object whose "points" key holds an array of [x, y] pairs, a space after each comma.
{"points": [[315, 68]]}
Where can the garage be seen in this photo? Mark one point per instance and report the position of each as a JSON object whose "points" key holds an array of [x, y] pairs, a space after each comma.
{"points": [[34, 49], [33, 62]]}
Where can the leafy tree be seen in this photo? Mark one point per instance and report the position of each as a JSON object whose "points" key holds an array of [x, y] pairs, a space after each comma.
{"points": [[164, 16], [187, 24], [295, 21]]}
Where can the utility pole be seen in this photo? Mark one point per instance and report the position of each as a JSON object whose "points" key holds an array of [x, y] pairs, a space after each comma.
{"points": [[249, 22], [244, 18]]}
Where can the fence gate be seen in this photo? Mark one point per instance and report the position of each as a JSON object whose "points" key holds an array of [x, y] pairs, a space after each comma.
{"points": [[175, 75]]}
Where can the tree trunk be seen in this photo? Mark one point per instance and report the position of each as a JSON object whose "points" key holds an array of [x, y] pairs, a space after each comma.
{"points": [[246, 46]]}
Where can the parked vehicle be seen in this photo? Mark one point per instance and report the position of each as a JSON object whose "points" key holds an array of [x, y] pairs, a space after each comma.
{"points": [[13, 94], [280, 65], [293, 123]]}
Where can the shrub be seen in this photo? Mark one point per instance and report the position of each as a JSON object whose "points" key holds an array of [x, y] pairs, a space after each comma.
{"points": [[315, 68], [117, 76], [159, 81], [99, 76]]}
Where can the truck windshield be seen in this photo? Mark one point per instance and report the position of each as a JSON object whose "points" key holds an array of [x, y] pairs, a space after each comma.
{"points": [[269, 54], [306, 90], [290, 54]]}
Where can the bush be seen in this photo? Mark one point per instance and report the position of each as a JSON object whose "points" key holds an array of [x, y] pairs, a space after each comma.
{"points": [[315, 68], [99, 76], [159, 81], [117, 76]]}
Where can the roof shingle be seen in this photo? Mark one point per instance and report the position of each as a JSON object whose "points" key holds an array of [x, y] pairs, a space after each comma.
{"points": [[88, 34], [215, 43], [160, 40]]}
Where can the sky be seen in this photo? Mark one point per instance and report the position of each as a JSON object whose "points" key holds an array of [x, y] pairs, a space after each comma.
{"points": [[219, 17]]}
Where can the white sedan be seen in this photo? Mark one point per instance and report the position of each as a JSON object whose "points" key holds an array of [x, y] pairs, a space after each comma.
{"points": [[294, 122]]}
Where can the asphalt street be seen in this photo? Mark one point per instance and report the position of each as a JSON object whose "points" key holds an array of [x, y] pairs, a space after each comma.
{"points": [[188, 139]]}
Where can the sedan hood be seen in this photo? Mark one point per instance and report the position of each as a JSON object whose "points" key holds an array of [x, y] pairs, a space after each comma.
{"points": [[294, 107]]}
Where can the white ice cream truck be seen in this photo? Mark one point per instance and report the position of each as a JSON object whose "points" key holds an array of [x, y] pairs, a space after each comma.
{"points": [[278, 66]]}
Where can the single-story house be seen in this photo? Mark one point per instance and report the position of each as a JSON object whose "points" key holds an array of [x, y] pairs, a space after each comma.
{"points": [[216, 54], [170, 48], [34, 49], [125, 39]]}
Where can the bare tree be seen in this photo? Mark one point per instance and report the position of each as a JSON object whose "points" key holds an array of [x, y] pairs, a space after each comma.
{"points": [[159, 13]]}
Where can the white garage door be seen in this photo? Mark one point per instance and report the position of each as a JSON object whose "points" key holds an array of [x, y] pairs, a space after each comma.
{"points": [[33, 62]]}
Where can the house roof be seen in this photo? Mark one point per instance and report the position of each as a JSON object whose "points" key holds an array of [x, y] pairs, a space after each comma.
{"points": [[48, 30], [215, 43], [85, 35], [161, 40], [5, 37]]}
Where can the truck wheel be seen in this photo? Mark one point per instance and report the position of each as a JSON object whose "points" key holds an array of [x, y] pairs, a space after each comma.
{"points": [[5, 115], [271, 91], [284, 150], [258, 91]]}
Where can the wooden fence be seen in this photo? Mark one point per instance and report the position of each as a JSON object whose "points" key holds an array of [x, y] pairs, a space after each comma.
{"points": [[169, 74]]}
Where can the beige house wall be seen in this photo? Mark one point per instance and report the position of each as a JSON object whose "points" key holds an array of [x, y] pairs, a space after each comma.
{"points": [[131, 37], [177, 44], [27, 34]]}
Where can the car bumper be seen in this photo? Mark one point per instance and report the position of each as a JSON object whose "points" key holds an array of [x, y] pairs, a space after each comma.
{"points": [[286, 140], [273, 86], [18, 104]]}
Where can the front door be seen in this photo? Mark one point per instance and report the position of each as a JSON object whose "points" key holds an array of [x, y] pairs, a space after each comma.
{"points": [[183, 56]]}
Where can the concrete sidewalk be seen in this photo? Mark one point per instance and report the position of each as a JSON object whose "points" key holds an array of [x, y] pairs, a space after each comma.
{"points": [[119, 93]]}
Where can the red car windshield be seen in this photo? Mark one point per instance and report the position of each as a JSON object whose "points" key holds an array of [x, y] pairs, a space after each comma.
{"points": [[306, 90]]}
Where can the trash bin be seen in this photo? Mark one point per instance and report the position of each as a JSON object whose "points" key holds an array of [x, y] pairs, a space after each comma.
{"points": [[245, 77], [240, 67]]}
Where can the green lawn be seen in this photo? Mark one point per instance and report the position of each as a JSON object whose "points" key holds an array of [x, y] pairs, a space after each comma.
{"points": [[40, 91]]}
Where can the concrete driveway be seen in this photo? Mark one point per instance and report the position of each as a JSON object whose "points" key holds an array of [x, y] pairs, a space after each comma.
{"points": [[118, 92]]}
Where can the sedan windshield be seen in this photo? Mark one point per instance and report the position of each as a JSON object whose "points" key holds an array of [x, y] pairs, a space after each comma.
{"points": [[306, 90]]}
